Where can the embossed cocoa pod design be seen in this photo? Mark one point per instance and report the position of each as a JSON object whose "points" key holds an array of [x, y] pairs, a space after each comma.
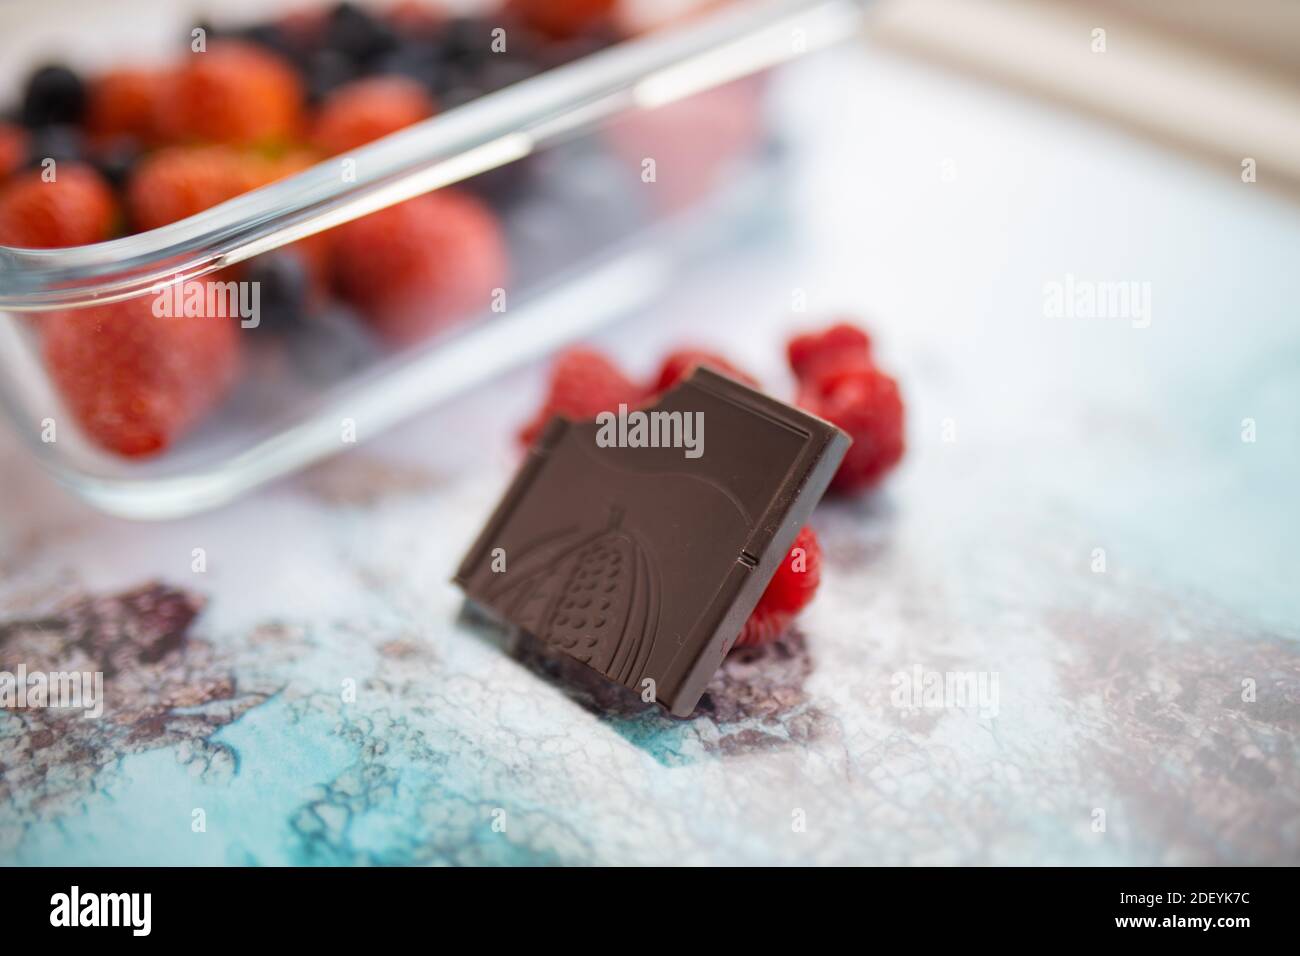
{"points": [[603, 617]]}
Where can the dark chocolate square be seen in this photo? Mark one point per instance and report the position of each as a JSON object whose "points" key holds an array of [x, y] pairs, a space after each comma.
{"points": [[644, 562]]}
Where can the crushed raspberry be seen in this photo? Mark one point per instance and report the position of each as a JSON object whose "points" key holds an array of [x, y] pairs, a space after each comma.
{"points": [[788, 593], [682, 362], [814, 353], [583, 383], [839, 381], [865, 403]]}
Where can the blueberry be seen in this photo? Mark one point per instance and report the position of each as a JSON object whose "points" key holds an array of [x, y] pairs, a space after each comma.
{"points": [[470, 65], [358, 35], [418, 61], [467, 41], [270, 37], [456, 85], [117, 159], [54, 95], [458, 95], [335, 346], [325, 70], [558, 54], [63, 144], [451, 78], [284, 288], [504, 186], [500, 72]]}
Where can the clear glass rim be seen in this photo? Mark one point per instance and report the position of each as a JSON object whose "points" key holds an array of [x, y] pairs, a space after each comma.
{"points": [[488, 132]]}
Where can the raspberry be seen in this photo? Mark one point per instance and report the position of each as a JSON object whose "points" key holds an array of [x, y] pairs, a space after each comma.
{"points": [[76, 209], [179, 182], [367, 110], [682, 362], [414, 268], [14, 143], [840, 345], [126, 103], [583, 383], [236, 93], [788, 593], [136, 383], [863, 401], [563, 19]]}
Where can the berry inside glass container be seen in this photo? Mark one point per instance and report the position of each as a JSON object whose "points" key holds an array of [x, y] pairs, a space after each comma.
{"points": [[220, 378]]}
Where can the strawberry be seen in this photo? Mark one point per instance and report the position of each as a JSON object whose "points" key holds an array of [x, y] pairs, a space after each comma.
{"points": [[682, 362], [695, 142], [789, 591], [414, 268], [583, 383], [414, 17], [563, 19], [304, 28], [234, 92], [133, 382], [865, 402], [837, 346], [366, 110], [635, 17], [181, 181], [125, 103], [14, 144], [75, 209]]}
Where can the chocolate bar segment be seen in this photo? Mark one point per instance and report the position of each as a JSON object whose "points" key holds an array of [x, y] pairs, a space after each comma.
{"points": [[641, 550]]}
